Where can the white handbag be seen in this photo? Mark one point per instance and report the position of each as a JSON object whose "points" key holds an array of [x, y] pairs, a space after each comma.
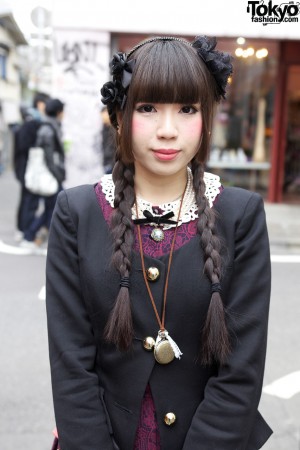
{"points": [[38, 178]]}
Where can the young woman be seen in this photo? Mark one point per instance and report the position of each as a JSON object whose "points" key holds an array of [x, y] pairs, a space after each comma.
{"points": [[158, 278]]}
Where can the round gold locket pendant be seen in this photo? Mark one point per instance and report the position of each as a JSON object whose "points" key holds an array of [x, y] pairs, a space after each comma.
{"points": [[163, 352], [157, 234]]}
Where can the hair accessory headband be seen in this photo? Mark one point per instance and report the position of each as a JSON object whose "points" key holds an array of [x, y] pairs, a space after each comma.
{"points": [[157, 38], [218, 63]]}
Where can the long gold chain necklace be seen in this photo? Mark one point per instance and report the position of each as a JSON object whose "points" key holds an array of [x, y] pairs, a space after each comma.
{"points": [[165, 348]]}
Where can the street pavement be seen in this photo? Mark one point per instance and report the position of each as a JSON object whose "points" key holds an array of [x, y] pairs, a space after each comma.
{"points": [[26, 413]]}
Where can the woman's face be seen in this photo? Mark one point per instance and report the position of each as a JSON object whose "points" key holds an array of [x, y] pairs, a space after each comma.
{"points": [[165, 137]]}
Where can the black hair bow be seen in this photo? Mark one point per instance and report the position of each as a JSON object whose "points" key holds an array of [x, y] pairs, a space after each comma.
{"points": [[149, 218], [121, 68], [218, 63]]}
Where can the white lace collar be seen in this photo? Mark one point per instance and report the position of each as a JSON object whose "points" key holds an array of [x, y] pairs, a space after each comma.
{"points": [[189, 208]]}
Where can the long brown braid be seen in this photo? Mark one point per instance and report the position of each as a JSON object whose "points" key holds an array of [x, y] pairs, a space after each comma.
{"points": [[215, 336], [119, 328]]}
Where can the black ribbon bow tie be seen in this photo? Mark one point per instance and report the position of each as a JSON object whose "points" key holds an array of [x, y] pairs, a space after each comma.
{"points": [[149, 218]]}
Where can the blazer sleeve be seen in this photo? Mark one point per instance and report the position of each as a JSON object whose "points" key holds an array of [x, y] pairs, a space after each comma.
{"points": [[226, 417], [79, 412]]}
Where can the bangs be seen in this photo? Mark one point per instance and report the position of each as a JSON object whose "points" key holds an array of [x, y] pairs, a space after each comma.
{"points": [[169, 73]]}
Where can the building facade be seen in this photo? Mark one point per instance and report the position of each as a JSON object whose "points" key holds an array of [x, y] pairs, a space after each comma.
{"points": [[10, 85]]}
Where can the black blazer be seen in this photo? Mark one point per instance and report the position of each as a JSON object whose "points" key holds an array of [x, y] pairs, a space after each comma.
{"points": [[98, 390]]}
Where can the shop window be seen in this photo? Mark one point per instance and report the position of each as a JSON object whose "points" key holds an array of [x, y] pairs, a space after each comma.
{"points": [[291, 183], [242, 132]]}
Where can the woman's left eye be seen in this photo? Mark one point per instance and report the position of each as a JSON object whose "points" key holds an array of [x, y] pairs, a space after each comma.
{"points": [[188, 109]]}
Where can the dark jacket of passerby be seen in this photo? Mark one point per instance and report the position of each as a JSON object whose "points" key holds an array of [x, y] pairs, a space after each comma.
{"points": [[49, 137], [25, 138], [26, 133]]}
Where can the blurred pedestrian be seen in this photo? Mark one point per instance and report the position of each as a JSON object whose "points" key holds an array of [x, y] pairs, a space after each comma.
{"points": [[158, 278], [108, 142], [49, 138], [24, 138]]}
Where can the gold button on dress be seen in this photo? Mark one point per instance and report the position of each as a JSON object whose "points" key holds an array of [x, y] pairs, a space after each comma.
{"points": [[170, 419], [152, 273], [149, 343]]}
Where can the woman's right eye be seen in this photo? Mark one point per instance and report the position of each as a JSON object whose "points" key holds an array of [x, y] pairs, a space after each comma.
{"points": [[145, 108]]}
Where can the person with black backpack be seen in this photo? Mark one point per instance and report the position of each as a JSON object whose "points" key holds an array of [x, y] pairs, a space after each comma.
{"points": [[49, 138], [25, 137]]}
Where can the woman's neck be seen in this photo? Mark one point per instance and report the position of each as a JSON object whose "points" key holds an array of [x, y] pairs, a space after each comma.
{"points": [[160, 189]]}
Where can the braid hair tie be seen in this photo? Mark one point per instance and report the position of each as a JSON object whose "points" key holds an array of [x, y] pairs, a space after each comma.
{"points": [[216, 287], [125, 282]]}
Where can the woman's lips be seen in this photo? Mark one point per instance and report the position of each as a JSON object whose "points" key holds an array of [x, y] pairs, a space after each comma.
{"points": [[165, 154]]}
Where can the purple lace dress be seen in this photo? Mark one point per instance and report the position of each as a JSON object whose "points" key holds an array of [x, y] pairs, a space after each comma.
{"points": [[147, 435]]}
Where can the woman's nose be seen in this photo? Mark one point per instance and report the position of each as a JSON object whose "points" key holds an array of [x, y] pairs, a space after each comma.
{"points": [[167, 127]]}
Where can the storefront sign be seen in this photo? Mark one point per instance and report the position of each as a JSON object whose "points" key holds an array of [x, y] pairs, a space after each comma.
{"points": [[270, 13]]}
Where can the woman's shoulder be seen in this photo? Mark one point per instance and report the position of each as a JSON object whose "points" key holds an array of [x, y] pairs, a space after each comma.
{"points": [[236, 203], [237, 196], [79, 198], [234, 197], [81, 206], [80, 191]]}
